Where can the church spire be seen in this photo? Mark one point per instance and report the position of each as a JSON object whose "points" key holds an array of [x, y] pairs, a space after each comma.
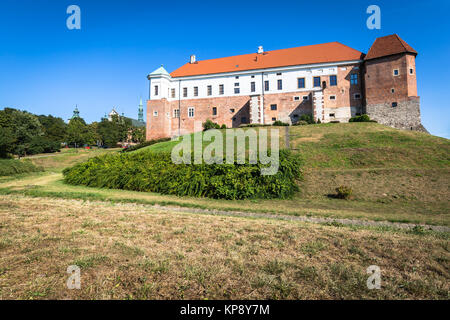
{"points": [[141, 111]]}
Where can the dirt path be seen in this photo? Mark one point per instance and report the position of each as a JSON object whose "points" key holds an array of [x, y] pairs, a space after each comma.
{"points": [[320, 220]]}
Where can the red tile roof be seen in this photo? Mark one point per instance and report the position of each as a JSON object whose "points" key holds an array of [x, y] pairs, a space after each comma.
{"points": [[388, 45], [320, 53]]}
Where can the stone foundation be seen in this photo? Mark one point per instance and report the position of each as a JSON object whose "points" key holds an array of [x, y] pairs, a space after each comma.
{"points": [[406, 115]]}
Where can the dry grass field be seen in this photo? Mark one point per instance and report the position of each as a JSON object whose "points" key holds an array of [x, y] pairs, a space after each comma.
{"points": [[131, 251]]}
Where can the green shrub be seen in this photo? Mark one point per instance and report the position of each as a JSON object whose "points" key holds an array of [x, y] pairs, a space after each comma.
{"points": [[308, 118], [224, 126], [11, 167], [155, 172], [279, 123], [362, 118], [43, 145], [301, 123], [210, 125], [344, 192], [145, 144]]}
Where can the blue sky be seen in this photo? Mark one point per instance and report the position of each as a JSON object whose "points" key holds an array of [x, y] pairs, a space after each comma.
{"points": [[47, 69]]}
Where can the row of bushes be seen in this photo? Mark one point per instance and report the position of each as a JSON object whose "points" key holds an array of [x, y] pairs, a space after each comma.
{"points": [[145, 144], [155, 172], [11, 167]]}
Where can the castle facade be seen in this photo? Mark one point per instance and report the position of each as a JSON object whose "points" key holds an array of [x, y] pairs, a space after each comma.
{"points": [[330, 81]]}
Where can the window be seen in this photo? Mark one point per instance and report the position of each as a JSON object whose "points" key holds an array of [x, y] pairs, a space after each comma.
{"points": [[191, 112], [356, 96], [176, 113], [280, 84], [209, 90], [333, 81], [195, 91], [411, 71], [392, 90], [185, 92], [297, 98], [220, 88], [279, 74], [214, 111], [252, 86], [331, 115], [305, 98], [394, 104], [273, 107], [237, 77], [172, 93], [155, 113], [332, 97], [156, 90], [237, 91], [301, 83], [396, 72], [253, 77], [274, 119], [243, 120], [236, 84], [232, 110], [354, 78], [266, 85], [316, 81]]}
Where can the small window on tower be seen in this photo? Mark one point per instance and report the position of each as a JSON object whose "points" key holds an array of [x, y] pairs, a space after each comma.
{"points": [[396, 72], [411, 71], [214, 111], [156, 90], [273, 107], [394, 104], [172, 93], [392, 90], [232, 110], [332, 97], [155, 113], [356, 96]]}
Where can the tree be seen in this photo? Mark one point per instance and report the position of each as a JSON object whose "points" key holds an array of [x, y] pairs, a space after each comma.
{"points": [[55, 129], [78, 133], [138, 134], [112, 132], [19, 127]]}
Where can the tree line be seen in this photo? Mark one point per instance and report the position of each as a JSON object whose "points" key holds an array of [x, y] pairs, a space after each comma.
{"points": [[23, 133]]}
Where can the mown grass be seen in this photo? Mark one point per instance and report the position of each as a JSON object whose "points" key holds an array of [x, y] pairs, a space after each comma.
{"points": [[122, 250]]}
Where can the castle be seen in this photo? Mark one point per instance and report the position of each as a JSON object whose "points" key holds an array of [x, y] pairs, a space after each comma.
{"points": [[330, 81]]}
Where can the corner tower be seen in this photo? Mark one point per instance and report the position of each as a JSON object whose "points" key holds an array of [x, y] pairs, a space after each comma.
{"points": [[391, 84]]}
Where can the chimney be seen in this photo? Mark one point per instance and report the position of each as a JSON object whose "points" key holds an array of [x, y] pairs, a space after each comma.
{"points": [[260, 49], [193, 58]]}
